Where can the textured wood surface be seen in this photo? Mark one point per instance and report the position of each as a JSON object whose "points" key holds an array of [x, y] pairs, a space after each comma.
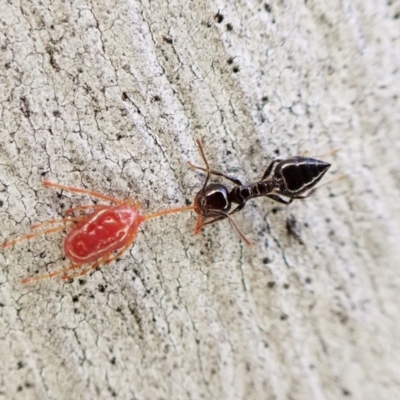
{"points": [[110, 96]]}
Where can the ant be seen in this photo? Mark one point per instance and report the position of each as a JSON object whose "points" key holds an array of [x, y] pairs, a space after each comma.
{"points": [[283, 181], [99, 237]]}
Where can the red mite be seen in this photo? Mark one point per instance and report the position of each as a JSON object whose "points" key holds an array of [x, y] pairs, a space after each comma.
{"points": [[96, 238]]}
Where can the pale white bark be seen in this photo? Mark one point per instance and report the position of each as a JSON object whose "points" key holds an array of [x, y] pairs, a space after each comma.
{"points": [[110, 96]]}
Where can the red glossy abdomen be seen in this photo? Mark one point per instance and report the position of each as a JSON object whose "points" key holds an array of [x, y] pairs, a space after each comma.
{"points": [[103, 232]]}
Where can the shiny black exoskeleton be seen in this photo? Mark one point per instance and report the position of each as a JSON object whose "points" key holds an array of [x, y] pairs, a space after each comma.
{"points": [[283, 181], [293, 178]]}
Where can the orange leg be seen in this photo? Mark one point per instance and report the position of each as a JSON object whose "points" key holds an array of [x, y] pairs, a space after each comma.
{"points": [[32, 235], [84, 271], [199, 224], [51, 274], [57, 221], [83, 191], [165, 212], [88, 207]]}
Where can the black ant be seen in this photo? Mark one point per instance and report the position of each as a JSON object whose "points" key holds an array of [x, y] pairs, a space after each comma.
{"points": [[293, 178]]}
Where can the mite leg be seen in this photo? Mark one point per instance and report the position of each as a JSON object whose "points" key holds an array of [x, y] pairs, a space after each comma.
{"points": [[51, 274], [57, 221], [32, 235], [199, 224], [165, 212], [83, 191], [88, 207]]}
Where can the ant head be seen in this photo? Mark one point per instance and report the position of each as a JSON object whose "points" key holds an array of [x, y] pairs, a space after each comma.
{"points": [[212, 200]]}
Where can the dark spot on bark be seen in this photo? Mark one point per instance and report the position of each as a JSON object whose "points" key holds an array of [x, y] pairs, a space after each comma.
{"points": [[229, 27], [1, 203], [275, 210], [124, 96], [308, 280], [167, 39], [42, 254], [28, 385], [19, 388], [118, 309], [56, 113], [230, 61], [75, 299], [81, 281], [265, 99], [20, 365], [396, 16], [286, 286], [284, 317], [218, 18], [156, 98], [267, 8], [52, 60], [25, 107], [7, 65], [266, 260], [112, 361], [101, 288], [346, 392], [271, 284]]}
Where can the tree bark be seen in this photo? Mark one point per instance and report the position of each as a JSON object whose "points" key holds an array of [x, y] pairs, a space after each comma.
{"points": [[110, 96]]}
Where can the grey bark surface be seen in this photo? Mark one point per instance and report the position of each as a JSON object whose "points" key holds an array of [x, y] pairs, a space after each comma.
{"points": [[110, 96]]}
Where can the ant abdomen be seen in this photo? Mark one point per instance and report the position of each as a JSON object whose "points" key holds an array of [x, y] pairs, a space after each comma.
{"points": [[295, 176]]}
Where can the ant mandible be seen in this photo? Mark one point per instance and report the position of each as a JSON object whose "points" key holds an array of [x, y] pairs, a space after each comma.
{"points": [[96, 238], [292, 178]]}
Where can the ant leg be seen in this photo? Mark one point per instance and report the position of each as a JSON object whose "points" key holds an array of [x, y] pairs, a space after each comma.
{"points": [[32, 235], [279, 199], [208, 170], [308, 194], [240, 233], [238, 208], [269, 169], [200, 146], [213, 172], [83, 191], [200, 225], [221, 217]]}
